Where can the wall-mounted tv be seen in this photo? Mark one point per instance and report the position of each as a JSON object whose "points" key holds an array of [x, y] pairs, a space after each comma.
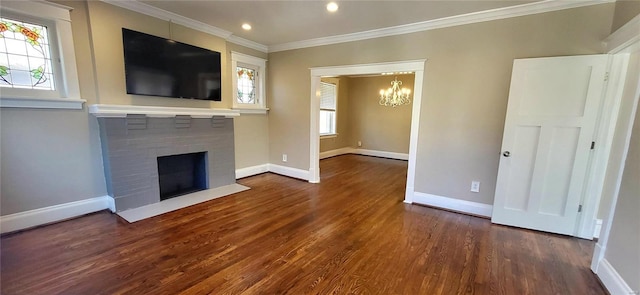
{"points": [[160, 67]]}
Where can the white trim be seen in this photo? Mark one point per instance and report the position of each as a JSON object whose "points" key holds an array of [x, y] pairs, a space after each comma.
{"points": [[382, 154], [469, 18], [120, 111], [453, 204], [149, 10], [416, 66], [336, 152], [251, 171], [603, 137], [62, 54], [288, 171], [612, 280], [624, 37], [248, 43], [252, 111], [457, 20], [603, 240], [364, 152], [44, 103], [41, 216], [597, 228], [261, 90]]}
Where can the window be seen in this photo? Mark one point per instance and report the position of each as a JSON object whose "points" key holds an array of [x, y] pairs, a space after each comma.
{"points": [[25, 55], [328, 102], [37, 58], [248, 83]]}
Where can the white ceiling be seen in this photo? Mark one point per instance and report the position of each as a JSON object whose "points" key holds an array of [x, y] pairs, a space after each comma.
{"points": [[281, 22]]}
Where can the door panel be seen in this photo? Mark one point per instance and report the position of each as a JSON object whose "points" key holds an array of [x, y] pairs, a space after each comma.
{"points": [[551, 116]]}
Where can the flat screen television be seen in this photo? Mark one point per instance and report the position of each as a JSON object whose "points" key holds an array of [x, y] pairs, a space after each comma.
{"points": [[157, 66]]}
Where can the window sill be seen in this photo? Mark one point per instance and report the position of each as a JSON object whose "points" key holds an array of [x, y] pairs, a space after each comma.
{"points": [[251, 110], [42, 103], [328, 136]]}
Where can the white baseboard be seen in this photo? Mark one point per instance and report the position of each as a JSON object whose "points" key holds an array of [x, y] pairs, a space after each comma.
{"points": [[612, 280], [453, 204], [288, 171], [597, 228], [336, 152], [251, 171], [382, 154], [31, 218], [364, 152]]}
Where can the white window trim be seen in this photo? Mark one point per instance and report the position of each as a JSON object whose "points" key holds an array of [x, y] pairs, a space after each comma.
{"points": [[260, 64], [68, 87]]}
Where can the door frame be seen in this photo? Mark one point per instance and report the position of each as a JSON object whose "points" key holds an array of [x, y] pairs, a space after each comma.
{"points": [[416, 66], [620, 45]]}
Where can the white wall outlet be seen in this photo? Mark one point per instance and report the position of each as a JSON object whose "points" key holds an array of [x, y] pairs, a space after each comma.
{"points": [[475, 186], [284, 157], [359, 143]]}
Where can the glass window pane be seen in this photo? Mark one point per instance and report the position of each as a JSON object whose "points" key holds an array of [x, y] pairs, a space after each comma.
{"points": [[25, 60], [327, 122], [246, 79]]}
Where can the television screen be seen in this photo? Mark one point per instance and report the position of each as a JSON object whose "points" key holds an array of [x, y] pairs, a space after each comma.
{"points": [[160, 67]]}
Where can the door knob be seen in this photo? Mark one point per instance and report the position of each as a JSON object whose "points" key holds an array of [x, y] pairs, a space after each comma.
{"points": [[506, 154]]}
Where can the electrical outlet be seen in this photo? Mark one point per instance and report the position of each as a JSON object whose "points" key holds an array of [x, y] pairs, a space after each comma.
{"points": [[475, 186], [359, 143], [284, 157]]}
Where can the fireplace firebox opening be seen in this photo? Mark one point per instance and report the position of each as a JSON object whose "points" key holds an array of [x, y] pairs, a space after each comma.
{"points": [[182, 174]]}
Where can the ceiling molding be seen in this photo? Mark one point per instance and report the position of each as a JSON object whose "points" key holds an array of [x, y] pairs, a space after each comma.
{"points": [[248, 43], [623, 37], [470, 18], [149, 10], [463, 19]]}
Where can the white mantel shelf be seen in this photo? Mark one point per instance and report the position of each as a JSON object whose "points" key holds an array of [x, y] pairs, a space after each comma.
{"points": [[121, 111]]}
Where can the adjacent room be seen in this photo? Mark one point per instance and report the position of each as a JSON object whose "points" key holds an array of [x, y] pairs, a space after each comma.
{"points": [[319, 147]]}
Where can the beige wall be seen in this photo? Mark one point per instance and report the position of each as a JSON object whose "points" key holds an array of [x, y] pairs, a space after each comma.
{"points": [[107, 21], [624, 12], [465, 89], [379, 128], [52, 157], [343, 128]]}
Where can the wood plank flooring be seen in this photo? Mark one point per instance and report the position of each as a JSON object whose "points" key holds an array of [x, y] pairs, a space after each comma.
{"points": [[351, 234]]}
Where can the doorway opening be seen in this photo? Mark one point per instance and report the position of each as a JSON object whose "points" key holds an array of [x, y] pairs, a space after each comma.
{"points": [[415, 66]]}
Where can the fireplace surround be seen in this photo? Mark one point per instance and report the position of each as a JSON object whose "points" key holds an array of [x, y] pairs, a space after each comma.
{"points": [[133, 139]]}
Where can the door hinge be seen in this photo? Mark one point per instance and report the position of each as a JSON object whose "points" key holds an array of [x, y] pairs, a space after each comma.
{"points": [[593, 145], [606, 76], [579, 208]]}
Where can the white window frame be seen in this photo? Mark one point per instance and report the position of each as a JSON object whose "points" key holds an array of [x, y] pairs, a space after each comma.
{"points": [[335, 114], [57, 18], [243, 60]]}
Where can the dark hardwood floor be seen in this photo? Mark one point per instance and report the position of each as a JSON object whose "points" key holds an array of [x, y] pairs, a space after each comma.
{"points": [[351, 234]]}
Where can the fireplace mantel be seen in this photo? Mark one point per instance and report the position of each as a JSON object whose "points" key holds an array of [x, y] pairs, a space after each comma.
{"points": [[121, 111]]}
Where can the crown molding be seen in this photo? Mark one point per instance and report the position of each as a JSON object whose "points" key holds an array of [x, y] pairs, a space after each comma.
{"points": [[625, 36], [463, 19], [469, 18], [149, 10], [248, 43]]}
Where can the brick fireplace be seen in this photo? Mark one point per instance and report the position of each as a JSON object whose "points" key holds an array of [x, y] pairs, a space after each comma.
{"points": [[136, 139]]}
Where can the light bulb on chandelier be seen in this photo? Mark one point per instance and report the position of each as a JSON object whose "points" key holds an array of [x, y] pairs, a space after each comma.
{"points": [[395, 96]]}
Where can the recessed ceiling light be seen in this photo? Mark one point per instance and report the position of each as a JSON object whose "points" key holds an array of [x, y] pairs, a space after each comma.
{"points": [[246, 27], [332, 7]]}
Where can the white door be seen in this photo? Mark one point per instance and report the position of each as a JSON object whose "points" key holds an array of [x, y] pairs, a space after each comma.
{"points": [[549, 127]]}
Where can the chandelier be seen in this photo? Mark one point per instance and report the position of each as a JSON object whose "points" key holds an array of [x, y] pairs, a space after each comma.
{"points": [[394, 96]]}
